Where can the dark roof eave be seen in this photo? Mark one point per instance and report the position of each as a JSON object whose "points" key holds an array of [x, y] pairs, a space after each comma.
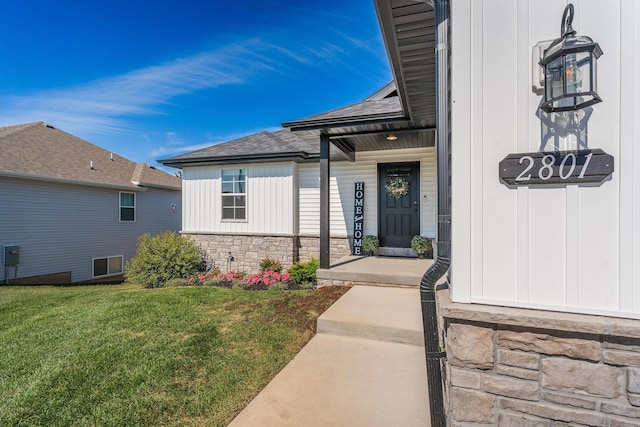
{"points": [[247, 158], [372, 119]]}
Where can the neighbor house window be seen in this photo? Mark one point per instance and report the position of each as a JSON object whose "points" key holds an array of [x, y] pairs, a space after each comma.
{"points": [[127, 206], [108, 266], [234, 194]]}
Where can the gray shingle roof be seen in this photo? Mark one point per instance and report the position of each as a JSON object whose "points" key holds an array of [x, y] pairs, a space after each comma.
{"points": [[262, 146], [381, 106], [37, 150]]}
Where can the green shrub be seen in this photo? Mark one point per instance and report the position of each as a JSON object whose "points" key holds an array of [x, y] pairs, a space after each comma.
{"points": [[304, 272], [421, 244], [270, 264], [163, 257], [370, 244]]}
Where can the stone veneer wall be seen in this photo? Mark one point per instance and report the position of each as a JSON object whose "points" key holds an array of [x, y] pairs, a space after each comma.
{"points": [[248, 249], [519, 367]]}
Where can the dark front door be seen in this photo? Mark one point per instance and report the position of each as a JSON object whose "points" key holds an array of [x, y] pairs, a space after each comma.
{"points": [[399, 216]]}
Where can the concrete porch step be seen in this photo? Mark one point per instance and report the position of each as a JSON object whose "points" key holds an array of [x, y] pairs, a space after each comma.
{"points": [[375, 270], [376, 313]]}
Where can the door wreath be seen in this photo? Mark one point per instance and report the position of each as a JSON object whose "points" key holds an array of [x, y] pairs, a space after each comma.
{"points": [[397, 187]]}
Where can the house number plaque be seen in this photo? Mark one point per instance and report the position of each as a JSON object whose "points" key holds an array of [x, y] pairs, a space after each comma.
{"points": [[556, 167], [358, 218]]}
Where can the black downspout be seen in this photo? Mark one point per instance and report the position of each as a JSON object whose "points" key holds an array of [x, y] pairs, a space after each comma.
{"points": [[443, 238]]}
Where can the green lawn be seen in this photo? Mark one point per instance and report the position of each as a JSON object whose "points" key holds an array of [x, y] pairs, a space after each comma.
{"points": [[123, 355]]}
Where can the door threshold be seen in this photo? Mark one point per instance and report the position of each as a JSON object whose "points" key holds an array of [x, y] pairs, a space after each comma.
{"points": [[397, 252]]}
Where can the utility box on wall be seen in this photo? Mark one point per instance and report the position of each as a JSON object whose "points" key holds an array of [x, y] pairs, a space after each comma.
{"points": [[11, 255]]}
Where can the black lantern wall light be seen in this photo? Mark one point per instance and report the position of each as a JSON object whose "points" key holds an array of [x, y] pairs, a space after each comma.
{"points": [[570, 69]]}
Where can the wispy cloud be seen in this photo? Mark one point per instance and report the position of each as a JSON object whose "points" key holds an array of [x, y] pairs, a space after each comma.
{"points": [[103, 105]]}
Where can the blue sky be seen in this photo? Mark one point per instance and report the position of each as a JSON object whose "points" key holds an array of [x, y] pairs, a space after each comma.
{"points": [[149, 80]]}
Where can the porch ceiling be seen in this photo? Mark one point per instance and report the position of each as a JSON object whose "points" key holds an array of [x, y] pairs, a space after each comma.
{"points": [[408, 29]]}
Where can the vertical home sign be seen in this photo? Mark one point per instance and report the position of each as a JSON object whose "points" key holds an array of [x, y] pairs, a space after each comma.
{"points": [[358, 218]]}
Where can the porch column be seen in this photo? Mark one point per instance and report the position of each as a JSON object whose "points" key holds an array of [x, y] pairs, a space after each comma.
{"points": [[325, 178]]}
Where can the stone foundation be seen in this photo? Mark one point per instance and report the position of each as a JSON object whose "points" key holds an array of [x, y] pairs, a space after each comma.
{"points": [[518, 367], [248, 249]]}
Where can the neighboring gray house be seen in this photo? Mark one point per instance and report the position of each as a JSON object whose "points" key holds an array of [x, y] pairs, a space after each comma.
{"points": [[75, 210]]}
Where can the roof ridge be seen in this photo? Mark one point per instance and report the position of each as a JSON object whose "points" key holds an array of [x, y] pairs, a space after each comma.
{"points": [[20, 128], [138, 173]]}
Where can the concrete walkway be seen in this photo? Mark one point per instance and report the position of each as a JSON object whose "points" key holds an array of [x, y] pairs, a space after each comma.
{"points": [[364, 367]]}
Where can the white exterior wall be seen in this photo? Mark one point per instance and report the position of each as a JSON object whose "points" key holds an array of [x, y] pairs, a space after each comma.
{"points": [[270, 199], [62, 227], [344, 175], [570, 248]]}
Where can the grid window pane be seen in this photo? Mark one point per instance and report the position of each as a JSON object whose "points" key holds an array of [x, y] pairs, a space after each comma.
{"points": [[127, 214], [228, 213], [115, 265], [234, 188], [100, 267], [227, 187], [127, 199]]}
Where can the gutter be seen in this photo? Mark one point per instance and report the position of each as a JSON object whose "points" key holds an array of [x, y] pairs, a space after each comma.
{"points": [[434, 353], [299, 157], [72, 181]]}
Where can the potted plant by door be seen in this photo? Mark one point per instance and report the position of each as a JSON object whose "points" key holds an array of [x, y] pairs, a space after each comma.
{"points": [[422, 246], [370, 244]]}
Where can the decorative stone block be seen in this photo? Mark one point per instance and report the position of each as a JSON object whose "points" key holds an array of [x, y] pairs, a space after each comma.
{"points": [[553, 412], [470, 346], [621, 358], [633, 380], [571, 400], [581, 377], [634, 399], [472, 406], [510, 387], [518, 359], [626, 411], [550, 344], [509, 420], [525, 374], [623, 343], [465, 379], [614, 422]]}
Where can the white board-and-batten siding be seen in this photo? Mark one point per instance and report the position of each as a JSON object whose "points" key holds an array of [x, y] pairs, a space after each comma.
{"points": [[568, 248], [62, 227], [269, 199], [344, 175]]}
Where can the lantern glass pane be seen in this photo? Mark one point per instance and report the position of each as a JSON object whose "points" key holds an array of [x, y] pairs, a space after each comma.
{"points": [[583, 62], [553, 79]]}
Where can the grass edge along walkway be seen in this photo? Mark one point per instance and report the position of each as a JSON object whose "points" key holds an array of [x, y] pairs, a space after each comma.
{"points": [[123, 355]]}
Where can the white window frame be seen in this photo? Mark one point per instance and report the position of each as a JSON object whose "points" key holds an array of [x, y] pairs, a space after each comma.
{"points": [[223, 195], [127, 207], [108, 258]]}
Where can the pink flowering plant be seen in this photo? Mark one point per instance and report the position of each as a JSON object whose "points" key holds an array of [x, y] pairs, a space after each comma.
{"points": [[266, 278], [270, 276]]}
